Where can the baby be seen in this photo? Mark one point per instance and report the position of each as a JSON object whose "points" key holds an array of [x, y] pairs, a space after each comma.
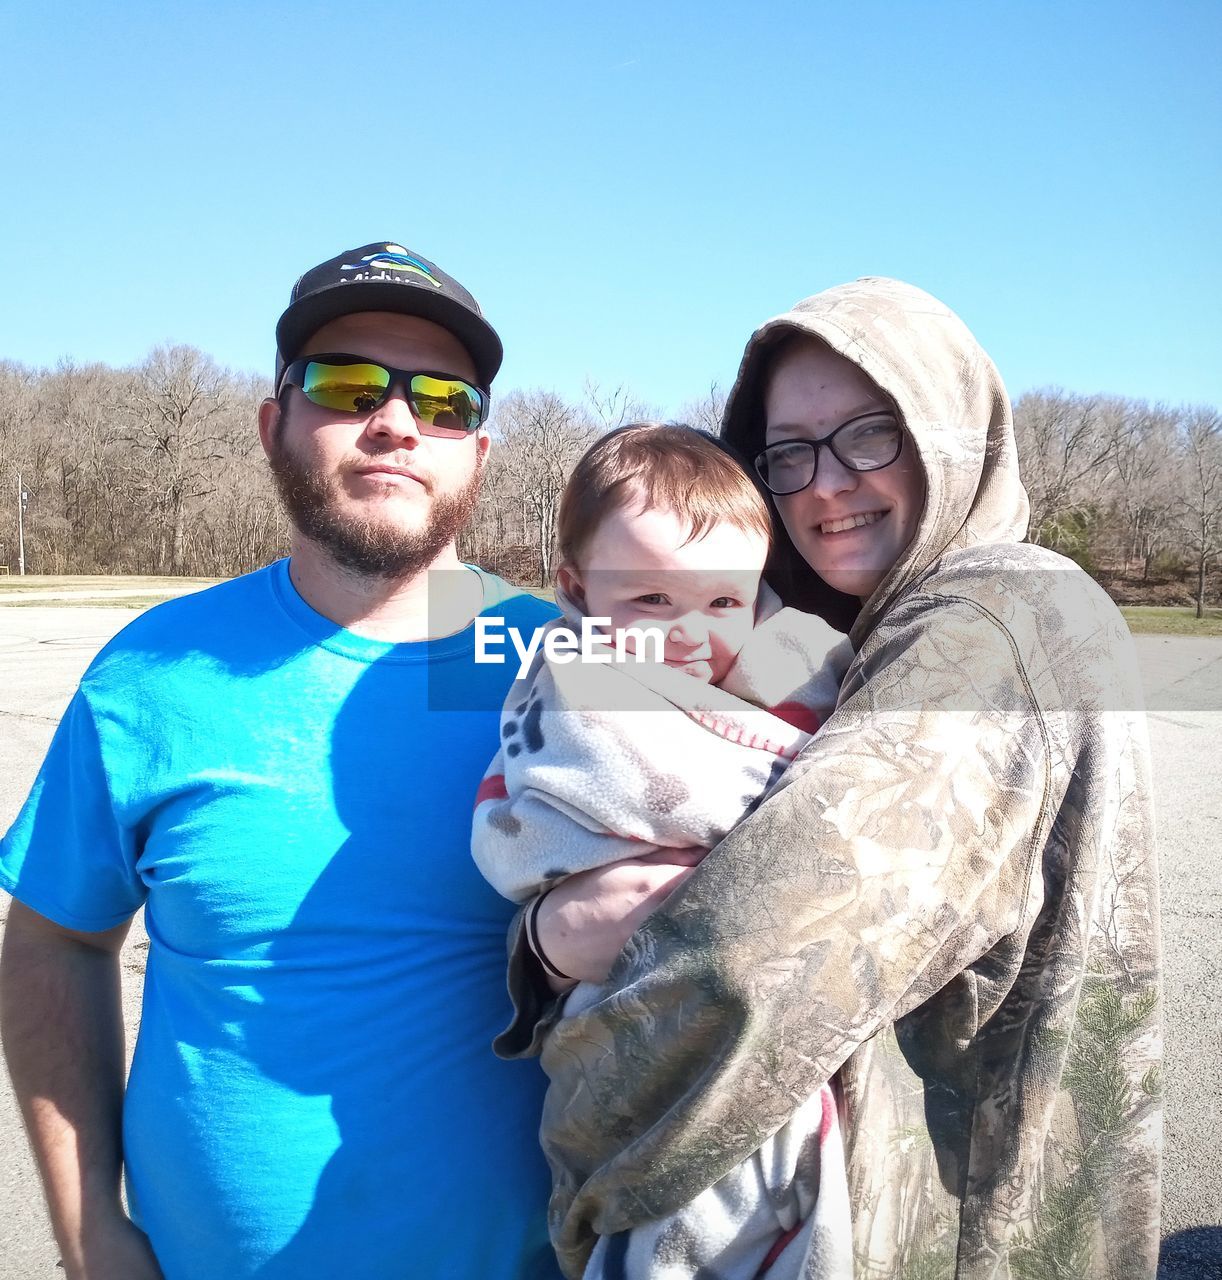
{"points": [[663, 538]]}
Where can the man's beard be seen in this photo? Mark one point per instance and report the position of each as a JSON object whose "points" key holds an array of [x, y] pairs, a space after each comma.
{"points": [[370, 547]]}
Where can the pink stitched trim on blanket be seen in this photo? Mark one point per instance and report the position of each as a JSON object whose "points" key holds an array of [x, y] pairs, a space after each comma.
{"points": [[736, 733]]}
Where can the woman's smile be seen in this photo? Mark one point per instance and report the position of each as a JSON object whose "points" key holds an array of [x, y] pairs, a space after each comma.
{"points": [[846, 524]]}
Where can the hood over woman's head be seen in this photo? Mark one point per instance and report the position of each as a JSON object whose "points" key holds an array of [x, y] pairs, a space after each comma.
{"points": [[951, 401]]}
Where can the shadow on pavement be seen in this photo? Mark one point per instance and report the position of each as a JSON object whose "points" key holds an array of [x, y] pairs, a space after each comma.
{"points": [[1195, 1253]]}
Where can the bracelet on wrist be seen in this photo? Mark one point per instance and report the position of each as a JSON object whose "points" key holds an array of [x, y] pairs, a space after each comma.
{"points": [[532, 940]]}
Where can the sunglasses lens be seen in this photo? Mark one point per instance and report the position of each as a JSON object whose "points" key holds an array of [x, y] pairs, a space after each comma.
{"points": [[351, 388], [447, 406]]}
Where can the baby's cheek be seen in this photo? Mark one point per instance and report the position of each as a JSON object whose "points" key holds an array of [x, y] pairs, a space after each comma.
{"points": [[722, 659], [727, 645]]}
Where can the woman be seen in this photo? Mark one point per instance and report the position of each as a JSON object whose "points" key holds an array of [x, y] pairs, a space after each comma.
{"points": [[950, 900]]}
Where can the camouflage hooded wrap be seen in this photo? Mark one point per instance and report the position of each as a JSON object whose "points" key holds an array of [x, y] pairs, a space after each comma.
{"points": [[950, 899]]}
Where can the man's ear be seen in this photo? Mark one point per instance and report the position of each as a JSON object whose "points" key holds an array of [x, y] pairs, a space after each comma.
{"points": [[269, 419], [569, 581], [483, 442]]}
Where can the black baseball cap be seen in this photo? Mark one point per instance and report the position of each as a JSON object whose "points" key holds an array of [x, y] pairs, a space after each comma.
{"points": [[385, 277]]}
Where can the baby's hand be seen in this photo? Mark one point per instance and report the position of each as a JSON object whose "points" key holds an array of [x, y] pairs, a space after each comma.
{"points": [[585, 920]]}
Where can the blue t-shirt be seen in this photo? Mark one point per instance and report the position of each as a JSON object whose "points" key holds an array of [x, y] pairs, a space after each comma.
{"points": [[313, 1093]]}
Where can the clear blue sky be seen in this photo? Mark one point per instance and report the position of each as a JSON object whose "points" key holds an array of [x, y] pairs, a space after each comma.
{"points": [[628, 188]]}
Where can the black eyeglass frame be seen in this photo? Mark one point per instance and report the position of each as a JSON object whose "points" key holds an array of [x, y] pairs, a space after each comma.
{"points": [[758, 462], [294, 371]]}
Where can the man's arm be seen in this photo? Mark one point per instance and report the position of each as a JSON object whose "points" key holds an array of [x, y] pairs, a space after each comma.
{"points": [[62, 1023]]}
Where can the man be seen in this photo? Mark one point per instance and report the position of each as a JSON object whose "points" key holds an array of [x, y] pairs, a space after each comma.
{"points": [[282, 769]]}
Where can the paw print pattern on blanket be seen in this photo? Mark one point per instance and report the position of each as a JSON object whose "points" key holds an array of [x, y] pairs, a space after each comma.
{"points": [[665, 793], [524, 730]]}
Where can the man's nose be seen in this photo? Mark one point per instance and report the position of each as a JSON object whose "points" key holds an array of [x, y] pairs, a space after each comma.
{"points": [[393, 420]]}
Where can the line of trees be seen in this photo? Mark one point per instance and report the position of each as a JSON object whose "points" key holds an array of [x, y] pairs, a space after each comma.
{"points": [[1123, 485], [157, 469]]}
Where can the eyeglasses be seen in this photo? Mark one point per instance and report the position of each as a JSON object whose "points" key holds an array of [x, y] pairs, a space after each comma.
{"points": [[441, 404], [868, 443]]}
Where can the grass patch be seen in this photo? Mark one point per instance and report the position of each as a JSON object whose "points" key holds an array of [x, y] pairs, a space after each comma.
{"points": [[1155, 620], [32, 584], [87, 602]]}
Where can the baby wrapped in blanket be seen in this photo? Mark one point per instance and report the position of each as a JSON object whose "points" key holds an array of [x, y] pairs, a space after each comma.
{"points": [[691, 695]]}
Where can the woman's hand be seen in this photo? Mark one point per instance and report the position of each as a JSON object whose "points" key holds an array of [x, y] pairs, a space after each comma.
{"points": [[585, 920]]}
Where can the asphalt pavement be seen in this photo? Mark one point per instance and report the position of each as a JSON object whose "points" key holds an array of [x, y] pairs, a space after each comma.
{"points": [[43, 651]]}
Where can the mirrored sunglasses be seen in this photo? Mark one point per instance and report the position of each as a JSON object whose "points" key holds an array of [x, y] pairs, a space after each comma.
{"points": [[441, 404]]}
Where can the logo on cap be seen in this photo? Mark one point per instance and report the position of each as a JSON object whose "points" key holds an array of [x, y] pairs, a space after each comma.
{"points": [[393, 258]]}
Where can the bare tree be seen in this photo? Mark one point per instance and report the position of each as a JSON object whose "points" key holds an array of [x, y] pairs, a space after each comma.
{"points": [[1200, 504], [102, 520], [180, 426], [1065, 444], [707, 411], [1142, 487], [18, 401], [615, 408], [540, 438]]}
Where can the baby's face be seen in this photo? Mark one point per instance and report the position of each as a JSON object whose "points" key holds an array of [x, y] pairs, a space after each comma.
{"points": [[639, 570]]}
